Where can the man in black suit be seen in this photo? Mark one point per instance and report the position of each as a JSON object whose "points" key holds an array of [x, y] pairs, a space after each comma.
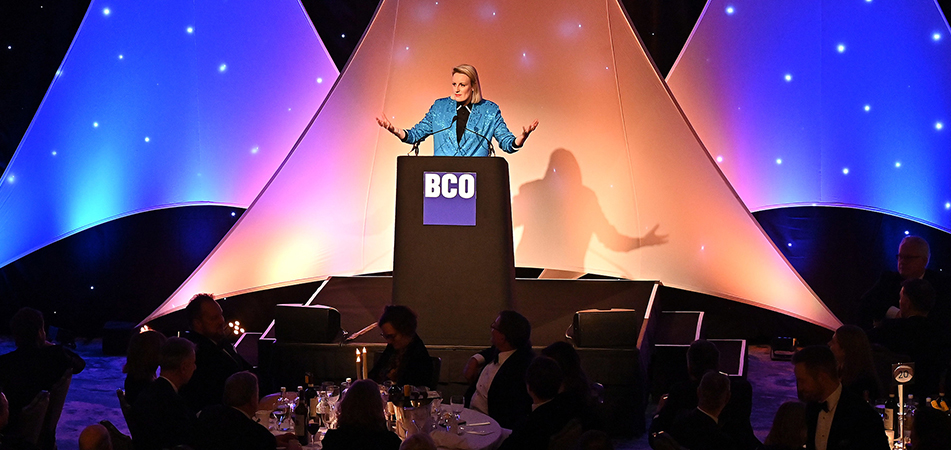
{"points": [[551, 411], [734, 420], [835, 419], [699, 429], [36, 364], [499, 390], [215, 357], [162, 418], [917, 335], [881, 301], [230, 426]]}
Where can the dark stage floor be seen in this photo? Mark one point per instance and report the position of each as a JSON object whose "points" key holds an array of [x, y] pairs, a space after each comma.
{"points": [[92, 394]]}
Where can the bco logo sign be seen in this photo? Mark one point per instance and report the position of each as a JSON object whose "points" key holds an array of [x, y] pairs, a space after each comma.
{"points": [[449, 198]]}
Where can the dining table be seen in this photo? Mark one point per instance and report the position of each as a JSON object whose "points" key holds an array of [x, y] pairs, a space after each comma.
{"points": [[477, 431]]}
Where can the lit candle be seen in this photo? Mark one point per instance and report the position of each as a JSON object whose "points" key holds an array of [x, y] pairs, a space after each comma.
{"points": [[359, 369], [364, 362]]}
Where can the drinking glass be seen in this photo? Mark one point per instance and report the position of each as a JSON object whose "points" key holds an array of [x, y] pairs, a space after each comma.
{"points": [[313, 427], [457, 403]]}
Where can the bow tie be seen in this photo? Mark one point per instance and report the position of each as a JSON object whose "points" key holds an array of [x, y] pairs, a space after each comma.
{"points": [[824, 406]]}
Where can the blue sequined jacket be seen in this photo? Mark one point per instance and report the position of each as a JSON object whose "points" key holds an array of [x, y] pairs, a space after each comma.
{"points": [[485, 120]]}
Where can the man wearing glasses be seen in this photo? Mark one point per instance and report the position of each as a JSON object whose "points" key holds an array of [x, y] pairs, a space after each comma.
{"points": [[881, 301]]}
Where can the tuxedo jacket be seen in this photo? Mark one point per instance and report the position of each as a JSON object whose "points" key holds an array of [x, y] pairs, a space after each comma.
{"points": [[222, 427], [855, 426], [214, 363], [162, 418], [509, 402]]}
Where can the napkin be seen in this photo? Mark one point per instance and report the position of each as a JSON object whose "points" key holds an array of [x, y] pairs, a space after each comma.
{"points": [[444, 439]]}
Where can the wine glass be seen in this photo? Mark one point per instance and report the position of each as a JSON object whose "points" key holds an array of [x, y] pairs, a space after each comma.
{"points": [[313, 427], [457, 403], [279, 414]]}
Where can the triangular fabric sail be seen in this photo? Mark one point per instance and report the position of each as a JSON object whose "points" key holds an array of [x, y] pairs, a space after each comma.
{"points": [[825, 102], [160, 104], [612, 182]]}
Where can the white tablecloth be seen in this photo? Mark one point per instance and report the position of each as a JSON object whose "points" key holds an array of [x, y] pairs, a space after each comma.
{"points": [[479, 437]]}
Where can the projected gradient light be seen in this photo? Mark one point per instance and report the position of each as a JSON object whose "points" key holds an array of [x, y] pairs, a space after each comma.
{"points": [[836, 102], [159, 104], [613, 181]]}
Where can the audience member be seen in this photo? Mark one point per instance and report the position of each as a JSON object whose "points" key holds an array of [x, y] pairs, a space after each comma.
{"points": [[405, 359], [700, 429], [418, 441], [551, 411], [576, 386], [95, 437], [9, 442], [162, 417], [215, 357], [734, 420], [499, 390], [142, 361], [789, 428], [881, 301], [856, 369], [230, 425], [931, 430], [360, 421], [36, 364], [594, 440], [916, 335], [835, 418]]}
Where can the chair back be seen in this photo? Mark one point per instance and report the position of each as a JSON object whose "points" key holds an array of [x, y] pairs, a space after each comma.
{"points": [[31, 417], [126, 412], [567, 438], [55, 409], [437, 371]]}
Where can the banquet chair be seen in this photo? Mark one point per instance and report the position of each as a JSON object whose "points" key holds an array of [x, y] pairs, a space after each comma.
{"points": [[54, 410], [31, 417], [437, 372], [126, 412]]}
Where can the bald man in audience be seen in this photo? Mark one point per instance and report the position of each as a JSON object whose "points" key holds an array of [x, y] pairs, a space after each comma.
{"points": [[699, 429], [881, 301], [230, 426], [163, 419], [95, 437]]}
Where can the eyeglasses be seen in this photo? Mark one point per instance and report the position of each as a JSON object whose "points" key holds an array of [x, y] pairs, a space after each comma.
{"points": [[902, 257], [388, 337]]}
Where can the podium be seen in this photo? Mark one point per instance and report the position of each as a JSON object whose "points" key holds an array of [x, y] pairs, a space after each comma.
{"points": [[453, 257]]}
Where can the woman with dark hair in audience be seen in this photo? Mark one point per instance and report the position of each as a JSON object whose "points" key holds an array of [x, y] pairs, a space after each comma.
{"points": [[142, 361], [405, 359], [854, 355], [360, 421], [789, 428]]}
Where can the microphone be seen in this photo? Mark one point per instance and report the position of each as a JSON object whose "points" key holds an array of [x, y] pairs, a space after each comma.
{"points": [[415, 149]]}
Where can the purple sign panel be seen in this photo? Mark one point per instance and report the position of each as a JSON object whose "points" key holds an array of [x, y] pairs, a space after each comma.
{"points": [[449, 198]]}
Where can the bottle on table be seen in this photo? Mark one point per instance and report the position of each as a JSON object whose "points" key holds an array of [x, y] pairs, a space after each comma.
{"points": [[891, 413], [300, 417]]}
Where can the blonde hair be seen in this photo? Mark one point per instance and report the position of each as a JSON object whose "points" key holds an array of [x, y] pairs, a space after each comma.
{"points": [[470, 72]]}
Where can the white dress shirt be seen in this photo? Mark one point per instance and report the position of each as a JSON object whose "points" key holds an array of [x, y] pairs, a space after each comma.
{"points": [[824, 425]]}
